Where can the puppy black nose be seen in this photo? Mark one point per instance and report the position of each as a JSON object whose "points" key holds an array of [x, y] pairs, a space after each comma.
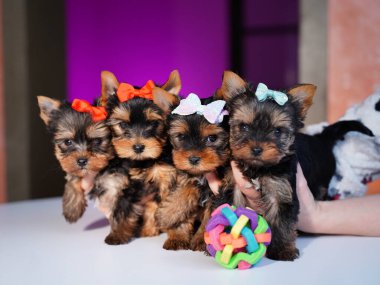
{"points": [[194, 160], [82, 162], [138, 148], [256, 151]]}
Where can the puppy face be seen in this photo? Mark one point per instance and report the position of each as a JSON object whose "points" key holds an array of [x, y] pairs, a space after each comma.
{"points": [[262, 133], [198, 146], [138, 127], [138, 124], [81, 145]]}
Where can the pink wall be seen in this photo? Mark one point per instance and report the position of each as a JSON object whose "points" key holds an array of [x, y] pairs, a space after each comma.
{"points": [[353, 56], [140, 40], [353, 53]]}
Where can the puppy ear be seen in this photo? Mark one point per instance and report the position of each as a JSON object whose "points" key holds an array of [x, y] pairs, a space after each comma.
{"points": [[47, 106], [303, 95], [232, 85], [109, 86], [164, 99], [173, 85]]}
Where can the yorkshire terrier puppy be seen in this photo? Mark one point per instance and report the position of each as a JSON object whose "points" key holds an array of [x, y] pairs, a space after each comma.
{"points": [[82, 143], [265, 143], [130, 189], [199, 137]]}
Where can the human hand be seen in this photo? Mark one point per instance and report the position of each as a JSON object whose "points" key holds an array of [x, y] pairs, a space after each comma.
{"points": [[309, 208], [243, 185], [87, 182]]}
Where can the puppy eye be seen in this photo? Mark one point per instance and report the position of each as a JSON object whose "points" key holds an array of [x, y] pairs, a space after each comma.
{"points": [[97, 141], [212, 138], [244, 127], [180, 137], [68, 142], [123, 125], [277, 132]]}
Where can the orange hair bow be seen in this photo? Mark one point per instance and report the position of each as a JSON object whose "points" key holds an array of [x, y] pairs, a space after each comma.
{"points": [[127, 91], [97, 113]]}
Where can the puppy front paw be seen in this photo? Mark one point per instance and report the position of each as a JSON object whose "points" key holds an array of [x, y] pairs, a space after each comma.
{"points": [[176, 244], [73, 204], [198, 244], [285, 254], [113, 239]]}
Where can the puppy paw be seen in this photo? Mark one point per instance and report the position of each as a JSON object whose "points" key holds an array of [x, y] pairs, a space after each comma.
{"points": [[176, 244], [73, 205], [73, 214], [113, 239], [286, 254], [198, 244]]}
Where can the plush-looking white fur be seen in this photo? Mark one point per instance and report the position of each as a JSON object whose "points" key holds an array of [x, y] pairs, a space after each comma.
{"points": [[358, 155]]}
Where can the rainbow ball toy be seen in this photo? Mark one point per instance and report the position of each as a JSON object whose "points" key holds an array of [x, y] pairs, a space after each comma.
{"points": [[237, 237]]}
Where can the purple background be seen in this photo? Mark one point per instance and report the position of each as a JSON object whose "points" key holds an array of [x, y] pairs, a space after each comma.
{"points": [[140, 40], [271, 54]]}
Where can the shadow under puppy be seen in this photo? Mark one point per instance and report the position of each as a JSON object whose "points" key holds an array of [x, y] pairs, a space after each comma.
{"points": [[266, 145], [131, 187], [199, 137], [82, 142]]}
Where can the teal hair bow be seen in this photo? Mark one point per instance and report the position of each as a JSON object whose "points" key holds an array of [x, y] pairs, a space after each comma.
{"points": [[263, 93]]}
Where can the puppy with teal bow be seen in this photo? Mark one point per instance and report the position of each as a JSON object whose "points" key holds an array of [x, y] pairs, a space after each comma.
{"points": [[266, 144]]}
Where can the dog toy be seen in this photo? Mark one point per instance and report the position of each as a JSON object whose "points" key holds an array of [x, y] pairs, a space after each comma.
{"points": [[237, 237]]}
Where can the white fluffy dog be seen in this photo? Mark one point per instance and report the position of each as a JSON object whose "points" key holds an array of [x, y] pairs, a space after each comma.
{"points": [[358, 155]]}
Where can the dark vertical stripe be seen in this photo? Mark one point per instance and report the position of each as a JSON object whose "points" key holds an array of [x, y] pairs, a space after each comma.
{"points": [[236, 16]]}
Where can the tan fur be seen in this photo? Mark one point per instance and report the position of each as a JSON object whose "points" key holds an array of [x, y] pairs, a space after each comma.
{"points": [[179, 205], [124, 148], [47, 105], [152, 115], [114, 184], [123, 230], [164, 176], [74, 201], [178, 127], [164, 100], [109, 86], [173, 84], [232, 85], [244, 114], [209, 161], [180, 237], [303, 94], [149, 227]]}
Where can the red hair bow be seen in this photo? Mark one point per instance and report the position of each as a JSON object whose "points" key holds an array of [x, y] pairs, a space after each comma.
{"points": [[127, 91], [97, 113]]}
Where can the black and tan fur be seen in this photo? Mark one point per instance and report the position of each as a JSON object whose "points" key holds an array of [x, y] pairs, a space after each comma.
{"points": [[82, 148], [266, 145], [199, 147], [133, 185]]}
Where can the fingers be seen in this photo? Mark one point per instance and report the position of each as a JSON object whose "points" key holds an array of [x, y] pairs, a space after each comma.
{"points": [[213, 182], [87, 182], [246, 187], [303, 191]]}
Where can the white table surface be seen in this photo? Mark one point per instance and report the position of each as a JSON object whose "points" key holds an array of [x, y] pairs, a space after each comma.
{"points": [[37, 246]]}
